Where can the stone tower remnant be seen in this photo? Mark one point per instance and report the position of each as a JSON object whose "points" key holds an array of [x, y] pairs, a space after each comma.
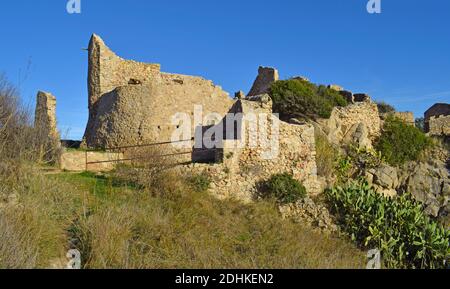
{"points": [[133, 103], [266, 76]]}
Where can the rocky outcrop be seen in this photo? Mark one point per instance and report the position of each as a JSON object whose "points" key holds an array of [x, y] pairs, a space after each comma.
{"points": [[428, 183], [266, 76], [384, 179], [132, 103]]}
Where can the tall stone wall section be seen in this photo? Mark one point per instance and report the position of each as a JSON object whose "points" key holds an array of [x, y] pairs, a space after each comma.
{"points": [[132, 103]]}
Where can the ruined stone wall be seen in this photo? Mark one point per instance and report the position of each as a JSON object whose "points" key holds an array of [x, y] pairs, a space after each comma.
{"points": [[358, 118], [439, 126], [243, 168], [407, 117], [132, 103], [80, 161]]}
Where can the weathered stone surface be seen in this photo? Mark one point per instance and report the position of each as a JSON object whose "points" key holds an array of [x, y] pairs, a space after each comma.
{"points": [[45, 116], [266, 76], [76, 161], [358, 135], [439, 126], [131, 102], [437, 119], [243, 166], [385, 176], [344, 124], [428, 183], [407, 117]]}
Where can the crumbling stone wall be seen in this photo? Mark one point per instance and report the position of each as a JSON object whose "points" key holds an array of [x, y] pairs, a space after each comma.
{"points": [[436, 111], [243, 167], [80, 161], [439, 126], [133, 103], [358, 122], [407, 117]]}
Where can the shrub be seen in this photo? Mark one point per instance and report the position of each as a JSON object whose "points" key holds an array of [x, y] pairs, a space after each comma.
{"points": [[283, 188], [398, 227], [199, 183], [297, 98], [384, 107], [400, 142]]}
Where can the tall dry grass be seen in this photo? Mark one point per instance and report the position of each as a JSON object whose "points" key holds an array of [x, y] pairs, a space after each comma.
{"points": [[145, 216]]}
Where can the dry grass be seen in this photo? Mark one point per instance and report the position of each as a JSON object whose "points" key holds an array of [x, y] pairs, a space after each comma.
{"points": [[149, 217], [188, 229], [326, 156], [119, 226]]}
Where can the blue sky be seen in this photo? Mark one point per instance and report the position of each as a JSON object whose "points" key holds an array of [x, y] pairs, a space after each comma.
{"points": [[401, 56]]}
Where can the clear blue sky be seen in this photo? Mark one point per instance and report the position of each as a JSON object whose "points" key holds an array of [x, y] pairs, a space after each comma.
{"points": [[401, 56]]}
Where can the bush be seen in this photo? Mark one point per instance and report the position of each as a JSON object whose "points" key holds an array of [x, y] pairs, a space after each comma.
{"points": [[283, 188], [398, 227], [297, 98], [199, 183], [384, 107], [400, 142]]}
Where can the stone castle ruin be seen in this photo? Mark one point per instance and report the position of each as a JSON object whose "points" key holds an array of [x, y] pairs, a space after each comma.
{"points": [[133, 103]]}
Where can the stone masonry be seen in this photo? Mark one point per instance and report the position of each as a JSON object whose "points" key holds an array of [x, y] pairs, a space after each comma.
{"points": [[241, 167], [358, 122], [266, 76], [45, 117], [437, 119], [133, 103], [439, 126]]}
